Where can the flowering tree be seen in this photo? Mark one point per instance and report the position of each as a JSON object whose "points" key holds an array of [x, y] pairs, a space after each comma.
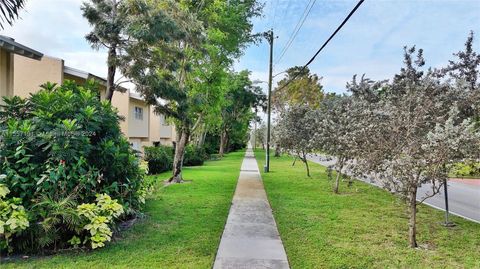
{"points": [[294, 131], [466, 67], [334, 123], [260, 136], [412, 132]]}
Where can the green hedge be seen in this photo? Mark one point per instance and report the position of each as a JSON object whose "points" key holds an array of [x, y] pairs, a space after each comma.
{"points": [[160, 159], [194, 156], [465, 170]]}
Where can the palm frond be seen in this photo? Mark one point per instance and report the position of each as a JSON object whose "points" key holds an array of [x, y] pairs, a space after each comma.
{"points": [[9, 11]]}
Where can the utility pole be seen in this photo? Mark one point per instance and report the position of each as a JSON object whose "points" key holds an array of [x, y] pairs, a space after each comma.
{"points": [[269, 36], [255, 131]]}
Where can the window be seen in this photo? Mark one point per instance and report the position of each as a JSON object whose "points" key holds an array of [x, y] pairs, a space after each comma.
{"points": [[163, 120], [138, 113]]}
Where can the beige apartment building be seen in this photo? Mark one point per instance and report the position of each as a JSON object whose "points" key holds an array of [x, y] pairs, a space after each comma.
{"points": [[141, 125], [8, 49]]}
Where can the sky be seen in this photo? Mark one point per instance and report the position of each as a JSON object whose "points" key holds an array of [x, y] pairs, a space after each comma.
{"points": [[371, 42]]}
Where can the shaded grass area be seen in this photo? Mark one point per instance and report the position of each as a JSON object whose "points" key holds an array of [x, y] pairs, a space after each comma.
{"points": [[182, 229], [362, 227]]}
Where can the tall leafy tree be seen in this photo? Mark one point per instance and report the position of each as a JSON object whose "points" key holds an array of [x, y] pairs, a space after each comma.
{"points": [[228, 29], [123, 27], [237, 112], [109, 21], [305, 89], [9, 11], [182, 71]]}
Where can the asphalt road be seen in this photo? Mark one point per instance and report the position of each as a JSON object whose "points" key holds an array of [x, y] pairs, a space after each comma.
{"points": [[463, 195]]}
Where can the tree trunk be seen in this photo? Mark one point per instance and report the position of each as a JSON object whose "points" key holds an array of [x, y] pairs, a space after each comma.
{"points": [[412, 224], [112, 54], [227, 143], [223, 143], [337, 180], [277, 151], [178, 158], [201, 142], [306, 164]]}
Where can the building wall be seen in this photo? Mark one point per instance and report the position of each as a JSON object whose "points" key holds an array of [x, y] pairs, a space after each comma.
{"points": [[160, 130], [30, 74], [79, 81], [6, 74], [155, 125], [122, 102], [138, 128]]}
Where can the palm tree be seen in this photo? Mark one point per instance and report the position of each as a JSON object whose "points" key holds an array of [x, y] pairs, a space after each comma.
{"points": [[9, 10]]}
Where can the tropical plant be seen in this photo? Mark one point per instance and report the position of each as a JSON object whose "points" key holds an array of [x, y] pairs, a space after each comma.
{"points": [[9, 11], [123, 27], [13, 218], [97, 218], [60, 147]]}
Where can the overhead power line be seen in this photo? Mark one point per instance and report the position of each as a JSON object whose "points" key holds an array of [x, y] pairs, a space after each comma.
{"points": [[296, 30], [324, 44]]}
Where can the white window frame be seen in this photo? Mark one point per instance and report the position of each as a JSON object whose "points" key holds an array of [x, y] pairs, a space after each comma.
{"points": [[138, 112]]}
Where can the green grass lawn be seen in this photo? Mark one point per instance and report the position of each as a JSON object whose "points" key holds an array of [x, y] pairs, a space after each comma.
{"points": [[182, 229], [363, 227]]}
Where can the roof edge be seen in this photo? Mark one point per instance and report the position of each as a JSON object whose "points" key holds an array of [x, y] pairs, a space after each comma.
{"points": [[9, 44]]}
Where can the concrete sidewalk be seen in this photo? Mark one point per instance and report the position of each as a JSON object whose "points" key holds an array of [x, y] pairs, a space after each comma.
{"points": [[250, 238]]}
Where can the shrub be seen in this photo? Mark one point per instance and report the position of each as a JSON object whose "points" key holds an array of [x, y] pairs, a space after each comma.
{"points": [[13, 218], [237, 146], [160, 159], [212, 143], [97, 217], [194, 156], [469, 169], [63, 146]]}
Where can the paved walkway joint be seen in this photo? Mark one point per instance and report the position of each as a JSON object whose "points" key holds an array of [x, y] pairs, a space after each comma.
{"points": [[250, 238]]}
